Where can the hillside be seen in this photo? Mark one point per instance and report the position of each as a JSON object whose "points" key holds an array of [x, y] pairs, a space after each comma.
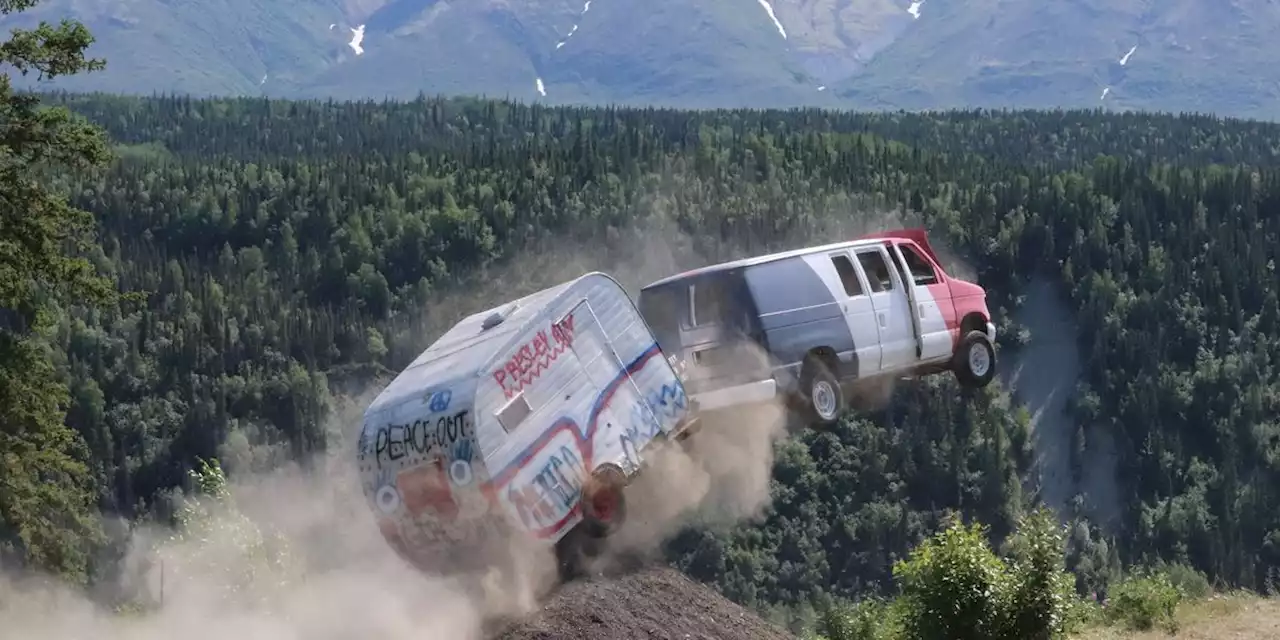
{"points": [[660, 604], [1185, 55]]}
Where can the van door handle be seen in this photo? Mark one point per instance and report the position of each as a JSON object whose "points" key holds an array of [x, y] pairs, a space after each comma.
{"points": [[921, 312], [882, 322]]}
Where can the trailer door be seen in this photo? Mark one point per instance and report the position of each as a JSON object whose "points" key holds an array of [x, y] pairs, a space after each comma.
{"points": [[624, 424]]}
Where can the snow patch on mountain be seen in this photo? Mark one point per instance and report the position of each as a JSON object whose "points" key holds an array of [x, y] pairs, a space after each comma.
{"points": [[542, 89], [768, 8], [914, 9], [1125, 60], [586, 7], [357, 37]]}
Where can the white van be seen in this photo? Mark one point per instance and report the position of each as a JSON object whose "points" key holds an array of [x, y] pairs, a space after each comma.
{"points": [[828, 319], [528, 417]]}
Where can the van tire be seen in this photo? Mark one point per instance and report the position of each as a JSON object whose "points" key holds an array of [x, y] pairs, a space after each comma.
{"points": [[604, 502], [974, 362], [824, 399]]}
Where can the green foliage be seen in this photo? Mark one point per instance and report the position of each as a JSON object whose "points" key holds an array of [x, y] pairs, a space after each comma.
{"points": [[46, 495], [1145, 600], [869, 619], [1192, 584], [1041, 592], [209, 482], [46, 490], [215, 547], [955, 586]]}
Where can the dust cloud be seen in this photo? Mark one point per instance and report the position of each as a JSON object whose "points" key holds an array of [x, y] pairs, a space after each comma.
{"points": [[719, 476], [293, 553]]}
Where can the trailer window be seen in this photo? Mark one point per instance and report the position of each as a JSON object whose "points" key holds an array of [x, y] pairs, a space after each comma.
{"points": [[922, 271], [514, 412], [877, 271]]}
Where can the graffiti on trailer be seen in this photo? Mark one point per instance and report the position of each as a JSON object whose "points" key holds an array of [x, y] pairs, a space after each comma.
{"points": [[551, 494], [438, 402], [420, 437], [663, 404], [531, 359], [426, 488]]}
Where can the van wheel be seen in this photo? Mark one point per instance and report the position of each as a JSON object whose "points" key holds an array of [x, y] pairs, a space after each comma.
{"points": [[604, 502], [824, 397], [974, 363]]}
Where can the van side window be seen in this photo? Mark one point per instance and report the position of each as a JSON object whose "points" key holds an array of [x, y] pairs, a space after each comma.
{"points": [[921, 270], [709, 304], [877, 270], [848, 276], [514, 412]]}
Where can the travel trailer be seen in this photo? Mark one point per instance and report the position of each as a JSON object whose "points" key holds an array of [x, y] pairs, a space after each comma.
{"points": [[812, 325], [529, 417]]}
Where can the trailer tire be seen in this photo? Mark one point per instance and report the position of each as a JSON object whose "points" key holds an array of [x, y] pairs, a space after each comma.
{"points": [[604, 502]]}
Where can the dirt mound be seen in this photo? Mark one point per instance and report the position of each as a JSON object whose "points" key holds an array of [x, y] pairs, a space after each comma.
{"points": [[652, 603]]}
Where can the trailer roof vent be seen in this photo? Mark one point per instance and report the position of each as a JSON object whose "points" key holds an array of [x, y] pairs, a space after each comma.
{"points": [[497, 317]]}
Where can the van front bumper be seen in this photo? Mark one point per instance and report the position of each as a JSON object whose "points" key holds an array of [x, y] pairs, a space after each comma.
{"points": [[750, 393]]}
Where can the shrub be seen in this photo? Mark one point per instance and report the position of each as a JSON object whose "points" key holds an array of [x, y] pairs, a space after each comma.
{"points": [[1145, 600], [1190, 583], [954, 586], [1042, 593], [871, 619]]}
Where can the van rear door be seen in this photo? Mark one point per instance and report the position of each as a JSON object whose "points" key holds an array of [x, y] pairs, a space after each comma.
{"points": [[719, 339]]}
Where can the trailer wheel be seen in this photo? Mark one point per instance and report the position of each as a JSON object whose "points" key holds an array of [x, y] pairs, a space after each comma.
{"points": [[604, 502]]}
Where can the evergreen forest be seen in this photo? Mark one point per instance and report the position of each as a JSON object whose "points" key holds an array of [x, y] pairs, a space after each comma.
{"points": [[275, 258]]}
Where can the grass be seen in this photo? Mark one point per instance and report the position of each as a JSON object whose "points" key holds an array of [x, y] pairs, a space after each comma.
{"points": [[1242, 616]]}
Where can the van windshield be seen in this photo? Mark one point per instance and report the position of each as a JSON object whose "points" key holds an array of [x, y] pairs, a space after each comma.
{"points": [[662, 310]]}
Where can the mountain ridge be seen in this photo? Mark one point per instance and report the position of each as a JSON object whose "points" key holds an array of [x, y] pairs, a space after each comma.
{"points": [[1183, 55]]}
